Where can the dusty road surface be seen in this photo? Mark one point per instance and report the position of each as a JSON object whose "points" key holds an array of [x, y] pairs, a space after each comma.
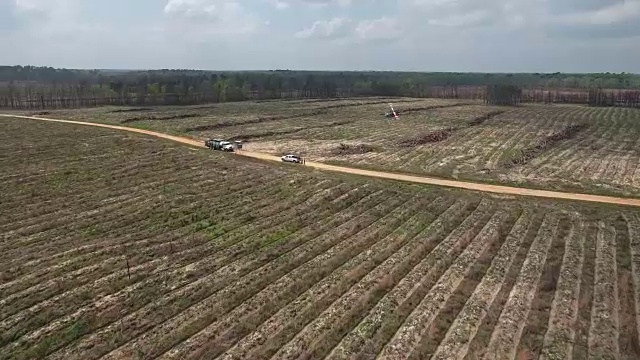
{"points": [[506, 190]]}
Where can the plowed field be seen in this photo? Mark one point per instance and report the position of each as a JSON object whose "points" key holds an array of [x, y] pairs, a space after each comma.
{"points": [[119, 246], [560, 147]]}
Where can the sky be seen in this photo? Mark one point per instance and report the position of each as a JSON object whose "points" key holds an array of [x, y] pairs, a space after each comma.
{"points": [[399, 35]]}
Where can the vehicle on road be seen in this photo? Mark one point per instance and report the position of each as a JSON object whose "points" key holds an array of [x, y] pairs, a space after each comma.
{"points": [[218, 144], [292, 159]]}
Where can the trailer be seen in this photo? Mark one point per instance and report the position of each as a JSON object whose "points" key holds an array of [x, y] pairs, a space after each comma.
{"points": [[218, 144]]}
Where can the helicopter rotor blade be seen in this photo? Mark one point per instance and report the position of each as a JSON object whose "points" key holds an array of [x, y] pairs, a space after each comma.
{"points": [[395, 115]]}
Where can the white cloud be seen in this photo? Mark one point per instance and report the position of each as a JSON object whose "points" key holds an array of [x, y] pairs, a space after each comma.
{"points": [[434, 3], [284, 4], [190, 7], [206, 18], [447, 13], [341, 28], [48, 19], [326, 29], [521, 13], [46, 7], [468, 19], [280, 5], [39, 5], [378, 29], [528, 35], [470, 13], [618, 12], [205, 9], [28, 5]]}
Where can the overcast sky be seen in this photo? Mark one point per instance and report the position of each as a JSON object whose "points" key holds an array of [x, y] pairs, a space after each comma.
{"points": [[414, 35]]}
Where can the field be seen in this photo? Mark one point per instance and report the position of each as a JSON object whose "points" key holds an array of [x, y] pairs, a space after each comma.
{"points": [[564, 147], [120, 246]]}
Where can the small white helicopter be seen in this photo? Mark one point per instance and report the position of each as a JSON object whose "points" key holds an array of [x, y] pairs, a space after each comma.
{"points": [[392, 114]]}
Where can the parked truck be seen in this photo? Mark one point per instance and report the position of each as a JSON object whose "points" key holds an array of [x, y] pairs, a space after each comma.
{"points": [[218, 144]]}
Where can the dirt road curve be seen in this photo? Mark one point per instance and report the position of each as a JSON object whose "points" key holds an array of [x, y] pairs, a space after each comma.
{"points": [[506, 190]]}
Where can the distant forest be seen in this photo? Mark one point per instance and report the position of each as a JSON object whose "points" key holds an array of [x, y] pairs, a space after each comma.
{"points": [[29, 87]]}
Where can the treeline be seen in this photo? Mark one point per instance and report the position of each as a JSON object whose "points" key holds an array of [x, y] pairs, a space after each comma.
{"points": [[528, 80], [598, 97], [44, 87], [503, 95]]}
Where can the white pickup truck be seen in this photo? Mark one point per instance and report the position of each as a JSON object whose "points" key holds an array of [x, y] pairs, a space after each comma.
{"points": [[292, 159]]}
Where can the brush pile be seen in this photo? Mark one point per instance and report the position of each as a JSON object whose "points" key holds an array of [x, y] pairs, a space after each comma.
{"points": [[483, 118], [430, 137], [154, 117], [345, 149], [545, 144]]}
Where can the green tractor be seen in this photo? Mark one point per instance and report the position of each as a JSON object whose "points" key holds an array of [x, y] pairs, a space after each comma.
{"points": [[218, 144]]}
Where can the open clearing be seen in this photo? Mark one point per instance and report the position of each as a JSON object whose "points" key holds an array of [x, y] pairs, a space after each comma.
{"points": [[563, 147], [120, 246], [497, 189]]}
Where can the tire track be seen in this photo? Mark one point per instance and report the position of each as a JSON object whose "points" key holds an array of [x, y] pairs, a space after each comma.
{"points": [[506, 336], [604, 329], [272, 334], [634, 249], [407, 340], [628, 335], [161, 264], [480, 342], [237, 277], [384, 320], [561, 334], [465, 326], [585, 301], [357, 267], [537, 321]]}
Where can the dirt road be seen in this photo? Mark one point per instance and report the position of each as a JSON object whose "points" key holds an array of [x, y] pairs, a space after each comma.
{"points": [[498, 189]]}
